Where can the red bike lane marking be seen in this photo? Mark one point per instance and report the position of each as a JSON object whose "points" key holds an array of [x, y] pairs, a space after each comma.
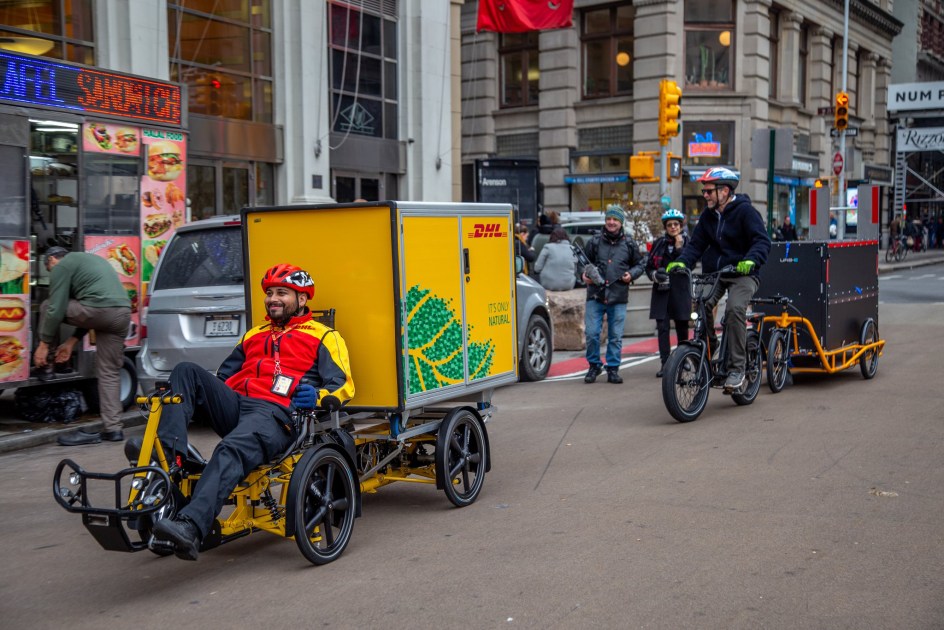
{"points": [[570, 366]]}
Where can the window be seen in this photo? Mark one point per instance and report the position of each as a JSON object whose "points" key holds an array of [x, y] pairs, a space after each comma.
{"points": [[607, 42], [518, 53], [709, 43], [803, 63], [222, 50], [773, 87], [60, 29], [363, 68]]}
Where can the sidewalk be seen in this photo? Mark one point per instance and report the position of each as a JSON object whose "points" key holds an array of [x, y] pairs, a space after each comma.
{"points": [[18, 434]]}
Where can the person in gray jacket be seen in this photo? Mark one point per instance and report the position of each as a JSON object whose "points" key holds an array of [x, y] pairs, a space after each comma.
{"points": [[555, 264]]}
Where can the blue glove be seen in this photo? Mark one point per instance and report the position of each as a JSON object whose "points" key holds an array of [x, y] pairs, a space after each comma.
{"points": [[676, 264], [306, 397], [745, 267]]}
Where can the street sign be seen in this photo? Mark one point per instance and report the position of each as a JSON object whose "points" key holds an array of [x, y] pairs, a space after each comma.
{"points": [[825, 111], [837, 163], [666, 201], [850, 131]]}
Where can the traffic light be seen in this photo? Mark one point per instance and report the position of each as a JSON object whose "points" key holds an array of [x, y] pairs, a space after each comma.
{"points": [[842, 111], [670, 97]]}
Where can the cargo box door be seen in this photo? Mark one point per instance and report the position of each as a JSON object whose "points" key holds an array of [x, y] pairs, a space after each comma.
{"points": [[488, 282]]}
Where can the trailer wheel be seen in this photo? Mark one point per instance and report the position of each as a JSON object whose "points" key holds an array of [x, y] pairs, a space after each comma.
{"points": [[461, 456], [868, 362], [127, 387]]}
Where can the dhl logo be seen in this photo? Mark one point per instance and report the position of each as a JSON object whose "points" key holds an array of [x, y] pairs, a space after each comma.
{"points": [[15, 313], [487, 230]]}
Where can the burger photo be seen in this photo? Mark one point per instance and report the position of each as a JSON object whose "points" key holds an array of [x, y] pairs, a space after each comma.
{"points": [[11, 355], [12, 270], [126, 140], [12, 314], [165, 161]]}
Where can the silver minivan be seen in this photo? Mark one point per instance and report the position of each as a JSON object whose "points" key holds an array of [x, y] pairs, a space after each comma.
{"points": [[195, 307]]}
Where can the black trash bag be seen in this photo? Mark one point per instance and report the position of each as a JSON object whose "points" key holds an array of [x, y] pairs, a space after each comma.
{"points": [[49, 404]]}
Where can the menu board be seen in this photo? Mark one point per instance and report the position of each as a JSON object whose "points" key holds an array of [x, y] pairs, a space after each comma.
{"points": [[121, 253], [14, 310], [163, 193]]}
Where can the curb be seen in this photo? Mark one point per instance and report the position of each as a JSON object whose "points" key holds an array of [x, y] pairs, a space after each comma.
{"points": [[904, 266], [30, 438]]}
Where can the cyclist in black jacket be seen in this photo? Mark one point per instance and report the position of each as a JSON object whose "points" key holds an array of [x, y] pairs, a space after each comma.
{"points": [[730, 231]]}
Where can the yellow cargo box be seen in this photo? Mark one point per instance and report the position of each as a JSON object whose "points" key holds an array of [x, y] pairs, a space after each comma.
{"points": [[423, 293]]}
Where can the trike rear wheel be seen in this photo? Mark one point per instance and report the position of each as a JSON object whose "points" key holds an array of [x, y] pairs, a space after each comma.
{"points": [[324, 504], [461, 454], [752, 371], [868, 362], [778, 356], [685, 383]]}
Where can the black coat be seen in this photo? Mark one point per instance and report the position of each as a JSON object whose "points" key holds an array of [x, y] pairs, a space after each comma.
{"points": [[614, 255], [721, 239], [676, 302]]}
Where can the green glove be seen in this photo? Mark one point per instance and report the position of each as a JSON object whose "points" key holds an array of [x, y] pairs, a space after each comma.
{"points": [[745, 267], [674, 265]]}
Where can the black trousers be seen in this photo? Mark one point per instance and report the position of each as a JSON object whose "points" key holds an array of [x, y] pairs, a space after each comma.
{"points": [[665, 342], [253, 433]]}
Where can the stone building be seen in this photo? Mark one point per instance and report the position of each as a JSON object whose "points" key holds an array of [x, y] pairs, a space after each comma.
{"points": [[581, 100]]}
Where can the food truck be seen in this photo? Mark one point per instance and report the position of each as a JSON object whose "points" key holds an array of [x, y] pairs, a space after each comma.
{"points": [[93, 161]]}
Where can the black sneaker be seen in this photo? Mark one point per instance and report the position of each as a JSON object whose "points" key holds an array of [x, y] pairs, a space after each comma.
{"points": [[593, 373], [612, 376], [182, 534], [79, 437]]}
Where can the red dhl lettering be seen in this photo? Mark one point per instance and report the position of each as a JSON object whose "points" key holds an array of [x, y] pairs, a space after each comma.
{"points": [[487, 230]]}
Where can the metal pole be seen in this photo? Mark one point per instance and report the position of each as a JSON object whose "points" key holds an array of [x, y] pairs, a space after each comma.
{"points": [[663, 178], [842, 134], [770, 181]]}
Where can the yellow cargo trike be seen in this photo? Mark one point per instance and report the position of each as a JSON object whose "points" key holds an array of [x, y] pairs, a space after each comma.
{"points": [[423, 294]]}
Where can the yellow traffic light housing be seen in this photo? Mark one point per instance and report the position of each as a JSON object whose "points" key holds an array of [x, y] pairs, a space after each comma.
{"points": [[642, 168], [842, 111], [670, 98]]}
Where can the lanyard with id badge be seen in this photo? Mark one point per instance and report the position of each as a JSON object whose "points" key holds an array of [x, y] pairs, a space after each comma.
{"points": [[281, 383]]}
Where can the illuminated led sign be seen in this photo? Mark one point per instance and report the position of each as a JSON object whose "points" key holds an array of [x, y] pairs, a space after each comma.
{"points": [[53, 84], [704, 146]]}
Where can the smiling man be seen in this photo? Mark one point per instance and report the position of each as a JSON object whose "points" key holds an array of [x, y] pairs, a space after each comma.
{"points": [[251, 399]]}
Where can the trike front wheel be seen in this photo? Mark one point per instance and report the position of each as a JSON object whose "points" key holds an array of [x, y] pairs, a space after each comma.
{"points": [[778, 356], [324, 504], [685, 383], [868, 362]]}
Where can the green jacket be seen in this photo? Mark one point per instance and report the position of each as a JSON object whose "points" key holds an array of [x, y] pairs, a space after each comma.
{"points": [[88, 278]]}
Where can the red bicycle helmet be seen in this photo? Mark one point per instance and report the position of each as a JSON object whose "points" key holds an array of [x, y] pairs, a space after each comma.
{"points": [[291, 277]]}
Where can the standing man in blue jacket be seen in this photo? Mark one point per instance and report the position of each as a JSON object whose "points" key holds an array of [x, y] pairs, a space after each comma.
{"points": [[729, 232]]}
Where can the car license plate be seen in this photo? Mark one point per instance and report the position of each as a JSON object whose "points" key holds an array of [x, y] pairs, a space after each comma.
{"points": [[222, 326]]}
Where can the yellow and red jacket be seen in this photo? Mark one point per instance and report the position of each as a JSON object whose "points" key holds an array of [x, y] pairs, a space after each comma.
{"points": [[304, 348]]}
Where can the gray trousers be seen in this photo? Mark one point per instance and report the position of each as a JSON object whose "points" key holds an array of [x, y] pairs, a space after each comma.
{"points": [[111, 327], [740, 291]]}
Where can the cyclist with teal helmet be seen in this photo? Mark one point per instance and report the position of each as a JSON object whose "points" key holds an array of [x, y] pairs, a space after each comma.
{"points": [[730, 231], [671, 295]]}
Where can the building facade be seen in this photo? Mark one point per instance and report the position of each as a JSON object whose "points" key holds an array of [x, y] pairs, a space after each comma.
{"points": [[582, 100]]}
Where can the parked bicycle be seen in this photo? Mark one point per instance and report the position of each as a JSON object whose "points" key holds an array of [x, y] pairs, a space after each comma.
{"points": [[698, 364]]}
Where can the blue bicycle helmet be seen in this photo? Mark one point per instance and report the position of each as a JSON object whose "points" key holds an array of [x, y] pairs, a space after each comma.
{"points": [[672, 215], [721, 176]]}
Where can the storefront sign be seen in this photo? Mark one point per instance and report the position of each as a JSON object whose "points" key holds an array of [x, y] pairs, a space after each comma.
{"points": [[163, 194], [591, 178], [46, 83], [912, 96], [921, 139], [704, 146]]}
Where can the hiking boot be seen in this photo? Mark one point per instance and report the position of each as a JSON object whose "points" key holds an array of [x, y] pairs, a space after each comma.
{"points": [[612, 376], [593, 373], [182, 534], [734, 382]]}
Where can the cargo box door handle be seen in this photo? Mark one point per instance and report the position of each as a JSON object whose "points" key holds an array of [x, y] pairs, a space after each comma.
{"points": [[465, 260]]}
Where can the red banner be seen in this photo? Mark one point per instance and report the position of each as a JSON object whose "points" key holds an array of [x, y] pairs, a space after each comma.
{"points": [[520, 16]]}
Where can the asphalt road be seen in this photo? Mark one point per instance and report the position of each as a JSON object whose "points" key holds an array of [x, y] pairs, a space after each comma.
{"points": [[920, 285], [818, 507]]}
